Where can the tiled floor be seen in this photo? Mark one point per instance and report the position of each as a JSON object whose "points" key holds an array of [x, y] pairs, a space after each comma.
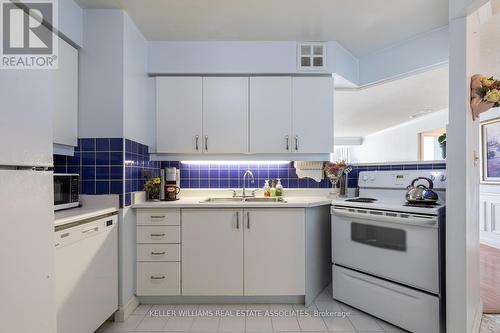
{"points": [[169, 319], [490, 324]]}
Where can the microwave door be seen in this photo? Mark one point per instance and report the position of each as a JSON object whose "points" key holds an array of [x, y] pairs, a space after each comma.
{"points": [[62, 193]]}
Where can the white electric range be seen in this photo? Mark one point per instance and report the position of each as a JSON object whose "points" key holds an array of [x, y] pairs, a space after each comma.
{"points": [[387, 255]]}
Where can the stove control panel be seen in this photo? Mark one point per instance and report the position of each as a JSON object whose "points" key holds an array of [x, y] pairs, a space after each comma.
{"points": [[400, 178]]}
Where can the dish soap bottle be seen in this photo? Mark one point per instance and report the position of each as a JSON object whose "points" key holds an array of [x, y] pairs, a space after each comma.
{"points": [[272, 190], [279, 188], [267, 191]]}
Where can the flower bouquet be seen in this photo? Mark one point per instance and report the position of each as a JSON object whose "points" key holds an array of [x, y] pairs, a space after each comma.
{"points": [[334, 171], [485, 94], [152, 188]]}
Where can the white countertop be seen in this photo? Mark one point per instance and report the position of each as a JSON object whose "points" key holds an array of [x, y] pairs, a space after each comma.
{"points": [[90, 208], [195, 202]]}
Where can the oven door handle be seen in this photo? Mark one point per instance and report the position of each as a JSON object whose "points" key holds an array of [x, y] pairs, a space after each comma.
{"points": [[410, 220]]}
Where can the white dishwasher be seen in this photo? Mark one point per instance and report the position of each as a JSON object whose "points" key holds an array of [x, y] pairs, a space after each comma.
{"points": [[86, 273]]}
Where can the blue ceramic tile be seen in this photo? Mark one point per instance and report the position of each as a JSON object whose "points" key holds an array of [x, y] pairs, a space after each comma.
{"points": [[116, 172], [214, 173], [214, 183], [88, 158], [59, 160], [203, 173], [121, 199], [102, 187], [102, 144], [115, 187], [73, 169], [234, 183], [102, 158], [128, 145], [128, 199], [88, 173], [59, 169], [293, 183], [102, 172], [116, 158], [74, 160], [204, 183], [273, 173], [263, 173], [224, 183], [87, 144], [224, 173], [194, 183], [184, 183], [193, 174], [116, 144], [88, 187]]}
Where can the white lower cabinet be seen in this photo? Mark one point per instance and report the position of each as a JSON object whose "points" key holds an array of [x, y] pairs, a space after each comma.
{"points": [[274, 252], [251, 252], [212, 252], [158, 252]]}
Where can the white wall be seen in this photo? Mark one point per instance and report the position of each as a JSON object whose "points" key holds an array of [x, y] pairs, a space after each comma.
{"points": [[136, 114], [101, 75], [399, 143], [71, 21], [423, 51]]}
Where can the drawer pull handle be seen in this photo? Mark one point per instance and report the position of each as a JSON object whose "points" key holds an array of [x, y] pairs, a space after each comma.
{"points": [[158, 217], [90, 230], [158, 253], [157, 277], [157, 235]]}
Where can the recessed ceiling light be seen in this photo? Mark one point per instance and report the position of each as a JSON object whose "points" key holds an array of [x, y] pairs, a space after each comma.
{"points": [[421, 113]]}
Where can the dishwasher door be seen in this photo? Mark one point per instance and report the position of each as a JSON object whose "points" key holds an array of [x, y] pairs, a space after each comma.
{"points": [[86, 274]]}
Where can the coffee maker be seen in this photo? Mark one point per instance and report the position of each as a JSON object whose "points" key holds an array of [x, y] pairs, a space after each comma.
{"points": [[169, 184]]}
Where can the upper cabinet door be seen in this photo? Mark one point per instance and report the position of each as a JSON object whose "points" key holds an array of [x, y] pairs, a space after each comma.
{"points": [[270, 114], [179, 115], [225, 115], [312, 111], [65, 92]]}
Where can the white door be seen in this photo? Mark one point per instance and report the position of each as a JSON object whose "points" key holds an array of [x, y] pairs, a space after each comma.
{"points": [[274, 251], [65, 92], [26, 117], [179, 115], [312, 110], [27, 250], [225, 115], [212, 252], [270, 114]]}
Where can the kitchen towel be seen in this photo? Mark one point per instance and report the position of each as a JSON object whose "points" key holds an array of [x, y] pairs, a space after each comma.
{"points": [[308, 169]]}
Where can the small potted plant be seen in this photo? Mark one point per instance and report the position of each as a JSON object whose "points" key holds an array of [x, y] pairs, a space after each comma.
{"points": [[152, 188], [442, 144], [334, 171]]}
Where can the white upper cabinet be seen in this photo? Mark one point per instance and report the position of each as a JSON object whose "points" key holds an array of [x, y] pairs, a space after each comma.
{"points": [[179, 115], [239, 115], [312, 110], [270, 114], [225, 115], [65, 96]]}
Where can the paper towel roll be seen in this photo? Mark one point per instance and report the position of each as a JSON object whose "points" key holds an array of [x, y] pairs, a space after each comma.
{"points": [[308, 169]]}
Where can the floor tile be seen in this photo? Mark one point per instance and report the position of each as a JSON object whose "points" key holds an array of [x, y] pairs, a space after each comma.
{"points": [[179, 324], [151, 324], [339, 324], [232, 324], [118, 327], [311, 324], [365, 323], [205, 324], [142, 309], [350, 309], [285, 324], [258, 324], [389, 327], [331, 306]]}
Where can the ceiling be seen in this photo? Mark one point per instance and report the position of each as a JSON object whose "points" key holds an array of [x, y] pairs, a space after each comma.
{"points": [[359, 112], [362, 26]]}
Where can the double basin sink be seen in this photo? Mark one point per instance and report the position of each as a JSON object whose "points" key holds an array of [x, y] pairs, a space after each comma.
{"points": [[241, 199]]}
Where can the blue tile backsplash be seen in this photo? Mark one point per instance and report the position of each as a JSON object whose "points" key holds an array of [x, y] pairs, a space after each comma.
{"points": [[122, 166]]}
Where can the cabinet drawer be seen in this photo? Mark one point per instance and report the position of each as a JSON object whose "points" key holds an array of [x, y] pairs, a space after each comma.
{"points": [[158, 278], [159, 217], [158, 234], [386, 300], [158, 252]]}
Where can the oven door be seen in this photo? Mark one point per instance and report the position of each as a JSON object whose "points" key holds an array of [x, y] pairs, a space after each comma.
{"points": [[395, 246]]}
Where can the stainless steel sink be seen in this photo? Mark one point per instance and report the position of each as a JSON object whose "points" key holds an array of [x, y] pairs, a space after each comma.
{"points": [[265, 199], [222, 200], [247, 199]]}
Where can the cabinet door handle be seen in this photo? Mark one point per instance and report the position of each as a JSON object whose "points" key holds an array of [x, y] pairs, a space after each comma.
{"points": [[154, 277], [248, 220], [237, 220], [157, 235], [296, 142], [206, 142], [197, 139], [287, 140], [157, 218], [158, 253]]}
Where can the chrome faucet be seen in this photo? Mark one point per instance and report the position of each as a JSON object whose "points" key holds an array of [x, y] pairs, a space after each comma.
{"points": [[252, 180]]}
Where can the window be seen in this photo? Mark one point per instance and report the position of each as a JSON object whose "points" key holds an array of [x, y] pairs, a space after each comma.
{"points": [[429, 147]]}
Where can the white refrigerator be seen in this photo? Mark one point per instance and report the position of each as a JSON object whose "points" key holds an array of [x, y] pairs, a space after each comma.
{"points": [[26, 203]]}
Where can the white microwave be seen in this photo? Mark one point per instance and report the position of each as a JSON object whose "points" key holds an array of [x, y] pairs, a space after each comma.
{"points": [[66, 190]]}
